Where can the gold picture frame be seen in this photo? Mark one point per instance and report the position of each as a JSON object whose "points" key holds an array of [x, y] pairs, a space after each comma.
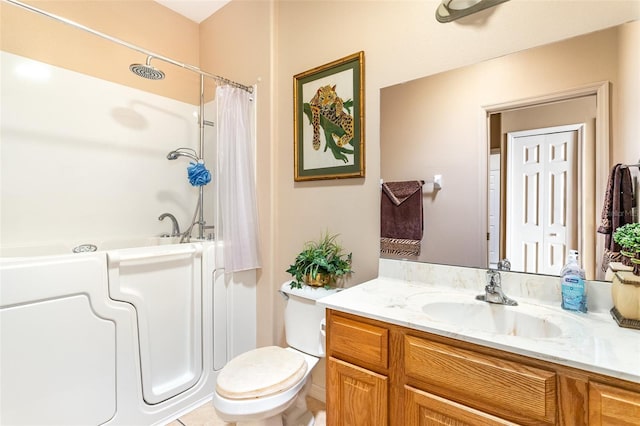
{"points": [[328, 116]]}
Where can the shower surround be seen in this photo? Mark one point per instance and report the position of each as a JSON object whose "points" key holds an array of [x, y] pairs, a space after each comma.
{"points": [[85, 158]]}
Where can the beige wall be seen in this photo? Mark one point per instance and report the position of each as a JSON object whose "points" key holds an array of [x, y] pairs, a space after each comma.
{"points": [[142, 22], [626, 147]]}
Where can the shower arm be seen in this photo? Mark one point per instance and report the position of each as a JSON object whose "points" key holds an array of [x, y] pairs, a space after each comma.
{"points": [[129, 45]]}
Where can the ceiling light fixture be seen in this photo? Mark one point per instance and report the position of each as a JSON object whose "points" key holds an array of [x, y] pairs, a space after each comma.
{"points": [[450, 10]]}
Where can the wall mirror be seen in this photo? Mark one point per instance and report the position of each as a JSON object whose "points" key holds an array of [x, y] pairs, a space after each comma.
{"points": [[461, 124]]}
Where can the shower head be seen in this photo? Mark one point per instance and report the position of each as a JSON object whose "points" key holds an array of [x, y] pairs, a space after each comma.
{"points": [[180, 153], [147, 70]]}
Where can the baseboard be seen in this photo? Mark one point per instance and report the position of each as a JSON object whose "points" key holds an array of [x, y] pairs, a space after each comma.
{"points": [[318, 392]]}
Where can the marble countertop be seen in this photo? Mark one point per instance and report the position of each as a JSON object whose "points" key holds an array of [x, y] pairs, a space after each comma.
{"points": [[535, 328]]}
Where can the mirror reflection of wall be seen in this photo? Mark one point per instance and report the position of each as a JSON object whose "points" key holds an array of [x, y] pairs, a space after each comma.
{"points": [[439, 125]]}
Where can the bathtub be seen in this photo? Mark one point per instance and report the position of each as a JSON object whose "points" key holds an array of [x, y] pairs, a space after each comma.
{"points": [[133, 333], [53, 248]]}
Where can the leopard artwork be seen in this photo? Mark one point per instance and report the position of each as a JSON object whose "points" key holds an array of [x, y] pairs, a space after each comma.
{"points": [[328, 104]]}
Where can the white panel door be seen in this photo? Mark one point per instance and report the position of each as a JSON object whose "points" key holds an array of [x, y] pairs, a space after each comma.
{"points": [[542, 198]]}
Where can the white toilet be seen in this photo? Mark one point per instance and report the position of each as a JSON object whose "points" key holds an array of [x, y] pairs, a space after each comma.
{"points": [[267, 386]]}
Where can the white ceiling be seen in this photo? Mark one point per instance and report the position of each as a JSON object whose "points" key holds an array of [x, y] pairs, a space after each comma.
{"points": [[196, 10]]}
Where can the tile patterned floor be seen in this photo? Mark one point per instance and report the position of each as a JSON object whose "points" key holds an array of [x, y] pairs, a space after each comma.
{"points": [[205, 415]]}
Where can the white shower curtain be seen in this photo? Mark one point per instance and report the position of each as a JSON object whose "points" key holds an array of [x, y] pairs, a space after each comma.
{"points": [[237, 189]]}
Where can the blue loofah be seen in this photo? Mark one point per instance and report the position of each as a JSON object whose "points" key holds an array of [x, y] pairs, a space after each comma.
{"points": [[198, 174]]}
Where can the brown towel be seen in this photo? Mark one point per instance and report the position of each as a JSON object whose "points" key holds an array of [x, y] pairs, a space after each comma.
{"points": [[400, 247], [401, 217], [617, 211]]}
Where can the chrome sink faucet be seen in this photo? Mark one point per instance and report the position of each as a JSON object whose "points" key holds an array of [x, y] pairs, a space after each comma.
{"points": [[175, 231], [504, 265], [493, 289]]}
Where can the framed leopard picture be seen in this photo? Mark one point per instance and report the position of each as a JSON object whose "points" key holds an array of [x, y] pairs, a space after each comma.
{"points": [[328, 110]]}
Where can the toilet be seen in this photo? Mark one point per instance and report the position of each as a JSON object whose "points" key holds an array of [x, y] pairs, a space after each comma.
{"points": [[267, 386]]}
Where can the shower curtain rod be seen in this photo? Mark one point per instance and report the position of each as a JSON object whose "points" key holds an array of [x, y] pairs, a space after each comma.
{"points": [[129, 45]]}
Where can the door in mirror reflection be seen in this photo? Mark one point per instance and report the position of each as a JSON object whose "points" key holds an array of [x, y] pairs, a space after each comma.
{"points": [[542, 197]]}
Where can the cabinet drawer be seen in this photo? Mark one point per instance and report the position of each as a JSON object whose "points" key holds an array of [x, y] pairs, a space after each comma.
{"points": [[491, 384], [423, 408], [354, 340]]}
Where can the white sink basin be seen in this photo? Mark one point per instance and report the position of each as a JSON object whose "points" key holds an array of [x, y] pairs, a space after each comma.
{"points": [[499, 319]]}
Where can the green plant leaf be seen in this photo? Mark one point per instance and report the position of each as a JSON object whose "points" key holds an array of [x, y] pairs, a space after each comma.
{"points": [[324, 255], [628, 236]]}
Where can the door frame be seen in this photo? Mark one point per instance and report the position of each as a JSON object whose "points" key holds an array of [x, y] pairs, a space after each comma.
{"points": [[494, 157], [592, 252]]}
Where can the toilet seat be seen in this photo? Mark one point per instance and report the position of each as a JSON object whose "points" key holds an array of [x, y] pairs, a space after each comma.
{"points": [[249, 410], [261, 372]]}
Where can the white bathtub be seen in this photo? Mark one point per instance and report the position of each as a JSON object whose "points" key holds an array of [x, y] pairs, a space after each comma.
{"points": [[53, 248], [131, 334]]}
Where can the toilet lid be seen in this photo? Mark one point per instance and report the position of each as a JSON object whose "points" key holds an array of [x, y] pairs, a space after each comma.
{"points": [[261, 372]]}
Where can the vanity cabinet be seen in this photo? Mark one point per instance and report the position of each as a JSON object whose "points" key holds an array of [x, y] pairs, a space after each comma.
{"points": [[382, 374], [357, 373]]}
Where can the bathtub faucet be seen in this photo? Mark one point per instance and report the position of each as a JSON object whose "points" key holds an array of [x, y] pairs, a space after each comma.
{"points": [[175, 232]]}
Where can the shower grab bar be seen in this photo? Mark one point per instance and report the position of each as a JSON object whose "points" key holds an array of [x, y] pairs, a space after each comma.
{"points": [[129, 45]]}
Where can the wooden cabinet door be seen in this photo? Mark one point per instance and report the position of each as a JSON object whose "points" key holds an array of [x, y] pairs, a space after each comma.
{"points": [[613, 406], [355, 396], [426, 409]]}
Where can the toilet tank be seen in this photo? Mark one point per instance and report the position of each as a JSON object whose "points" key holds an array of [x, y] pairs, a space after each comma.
{"points": [[303, 319]]}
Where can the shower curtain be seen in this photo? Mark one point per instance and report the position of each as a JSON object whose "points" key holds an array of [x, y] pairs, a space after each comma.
{"points": [[237, 189]]}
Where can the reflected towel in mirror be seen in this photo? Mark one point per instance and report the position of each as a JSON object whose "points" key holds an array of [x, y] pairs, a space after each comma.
{"points": [[617, 210], [401, 224]]}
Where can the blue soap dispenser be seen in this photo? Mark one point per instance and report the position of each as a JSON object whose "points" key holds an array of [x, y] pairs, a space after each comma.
{"points": [[574, 290]]}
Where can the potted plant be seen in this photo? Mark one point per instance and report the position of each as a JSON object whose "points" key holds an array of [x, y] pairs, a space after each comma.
{"points": [[320, 263], [628, 236], [625, 288]]}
